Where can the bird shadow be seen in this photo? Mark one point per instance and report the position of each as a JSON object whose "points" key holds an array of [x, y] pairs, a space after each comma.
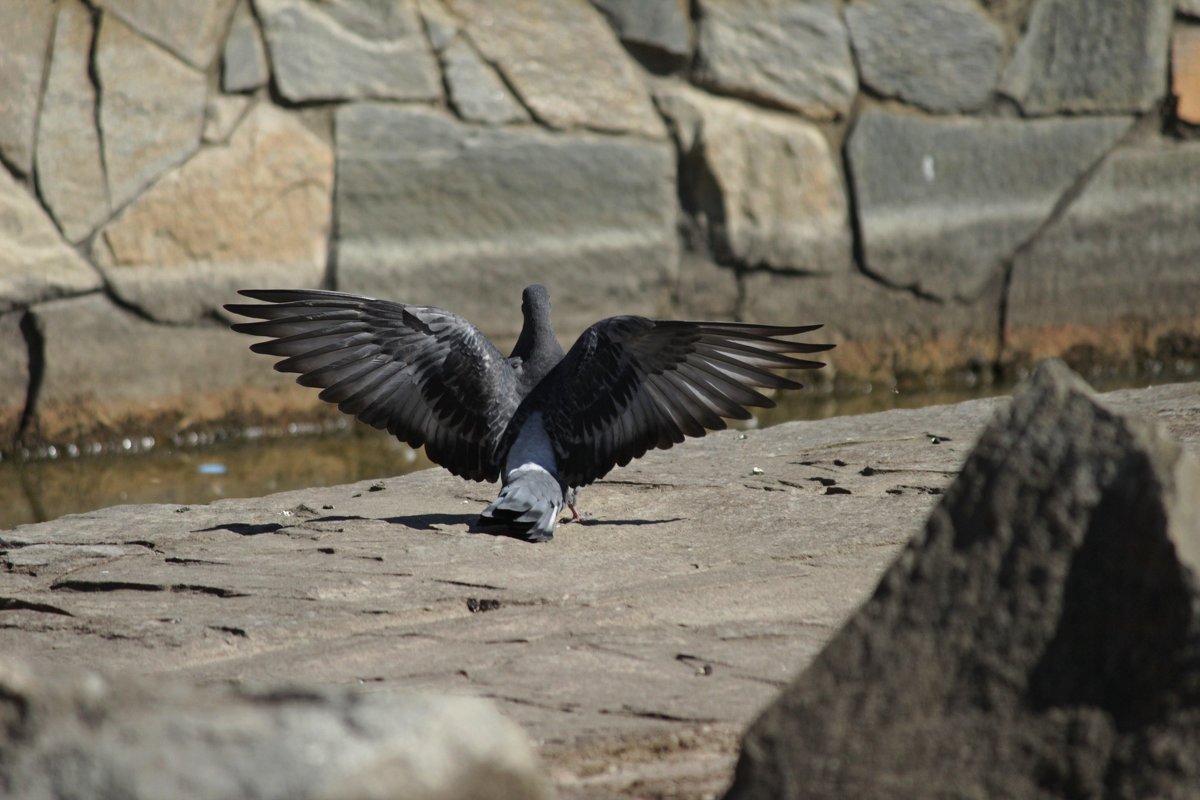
{"points": [[589, 521], [428, 522], [244, 528]]}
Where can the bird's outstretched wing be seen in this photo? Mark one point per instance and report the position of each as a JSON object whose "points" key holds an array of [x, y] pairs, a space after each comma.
{"points": [[426, 375], [630, 384]]}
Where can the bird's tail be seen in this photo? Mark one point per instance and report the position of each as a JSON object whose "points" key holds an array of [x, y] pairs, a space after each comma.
{"points": [[529, 503]]}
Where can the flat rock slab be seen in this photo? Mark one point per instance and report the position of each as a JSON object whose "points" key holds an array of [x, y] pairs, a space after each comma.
{"points": [[633, 648]]}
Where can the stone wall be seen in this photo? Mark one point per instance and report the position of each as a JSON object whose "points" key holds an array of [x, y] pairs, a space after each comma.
{"points": [[951, 185]]}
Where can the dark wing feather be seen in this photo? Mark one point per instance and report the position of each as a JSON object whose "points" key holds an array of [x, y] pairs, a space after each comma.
{"points": [[631, 384], [425, 375]]}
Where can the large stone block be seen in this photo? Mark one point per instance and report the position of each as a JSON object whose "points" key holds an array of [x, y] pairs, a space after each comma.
{"points": [[80, 734], [943, 203], [794, 54], [35, 263], [25, 30], [1082, 56], [434, 211], [663, 25], [1037, 640], [1118, 269], [191, 29], [943, 55], [537, 45], [151, 109], [764, 183], [254, 212], [349, 50], [110, 371], [70, 170]]}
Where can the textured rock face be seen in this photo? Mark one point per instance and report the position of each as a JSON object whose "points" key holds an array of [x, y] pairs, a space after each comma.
{"points": [[190, 30], [1106, 259], [662, 25], [78, 734], [941, 203], [764, 182], [1079, 56], [256, 211], [35, 263], [427, 205], [14, 373], [943, 55], [794, 54], [25, 30], [244, 59], [349, 50], [535, 45], [476, 91], [70, 172], [1045, 620], [151, 109]]}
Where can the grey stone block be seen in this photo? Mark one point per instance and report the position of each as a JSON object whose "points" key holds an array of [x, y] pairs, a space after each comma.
{"points": [[476, 91], [70, 172], [430, 210], [539, 48], [1123, 253], [350, 50], [1082, 56], [763, 183], [942, 203], [1044, 620], [189, 29], [663, 25], [14, 376], [244, 59], [25, 30], [794, 54], [80, 734], [151, 109], [943, 55]]}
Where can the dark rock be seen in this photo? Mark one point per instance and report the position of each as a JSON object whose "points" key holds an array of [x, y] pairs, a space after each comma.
{"points": [[1039, 639], [433, 210], [794, 54], [78, 734], [942, 202], [943, 55], [1082, 56], [662, 25]]}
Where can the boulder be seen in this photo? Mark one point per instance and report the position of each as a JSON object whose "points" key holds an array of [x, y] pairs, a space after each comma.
{"points": [[25, 31], [1185, 73], [70, 170], [476, 92], [1077, 56], [793, 54], [35, 263], [244, 59], [254, 212], [537, 46], [350, 50], [1037, 640], [81, 734], [764, 183], [151, 109], [942, 203], [1106, 274], [191, 30], [943, 55], [431, 210], [662, 25]]}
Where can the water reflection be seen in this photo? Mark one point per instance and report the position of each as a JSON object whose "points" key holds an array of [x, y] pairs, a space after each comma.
{"points": [[189, 471]]}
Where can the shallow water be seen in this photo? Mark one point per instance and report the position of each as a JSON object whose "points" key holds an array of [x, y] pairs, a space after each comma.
{"points": [[249, 464]]}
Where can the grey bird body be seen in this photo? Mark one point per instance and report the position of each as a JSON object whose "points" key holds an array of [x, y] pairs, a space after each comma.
{"points": [[542, 420]]}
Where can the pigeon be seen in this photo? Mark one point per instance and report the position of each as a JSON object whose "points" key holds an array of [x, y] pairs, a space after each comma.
{"points": [[543, 421]]}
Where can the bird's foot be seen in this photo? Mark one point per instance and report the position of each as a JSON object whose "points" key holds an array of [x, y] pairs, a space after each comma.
{"points": [[575, 515]]}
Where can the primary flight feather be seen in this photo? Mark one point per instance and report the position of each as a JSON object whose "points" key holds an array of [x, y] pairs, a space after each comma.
{"points": [[545, 422]]}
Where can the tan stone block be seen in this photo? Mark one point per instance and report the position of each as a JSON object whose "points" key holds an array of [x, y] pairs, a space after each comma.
{"points": [[1185, 73]]}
